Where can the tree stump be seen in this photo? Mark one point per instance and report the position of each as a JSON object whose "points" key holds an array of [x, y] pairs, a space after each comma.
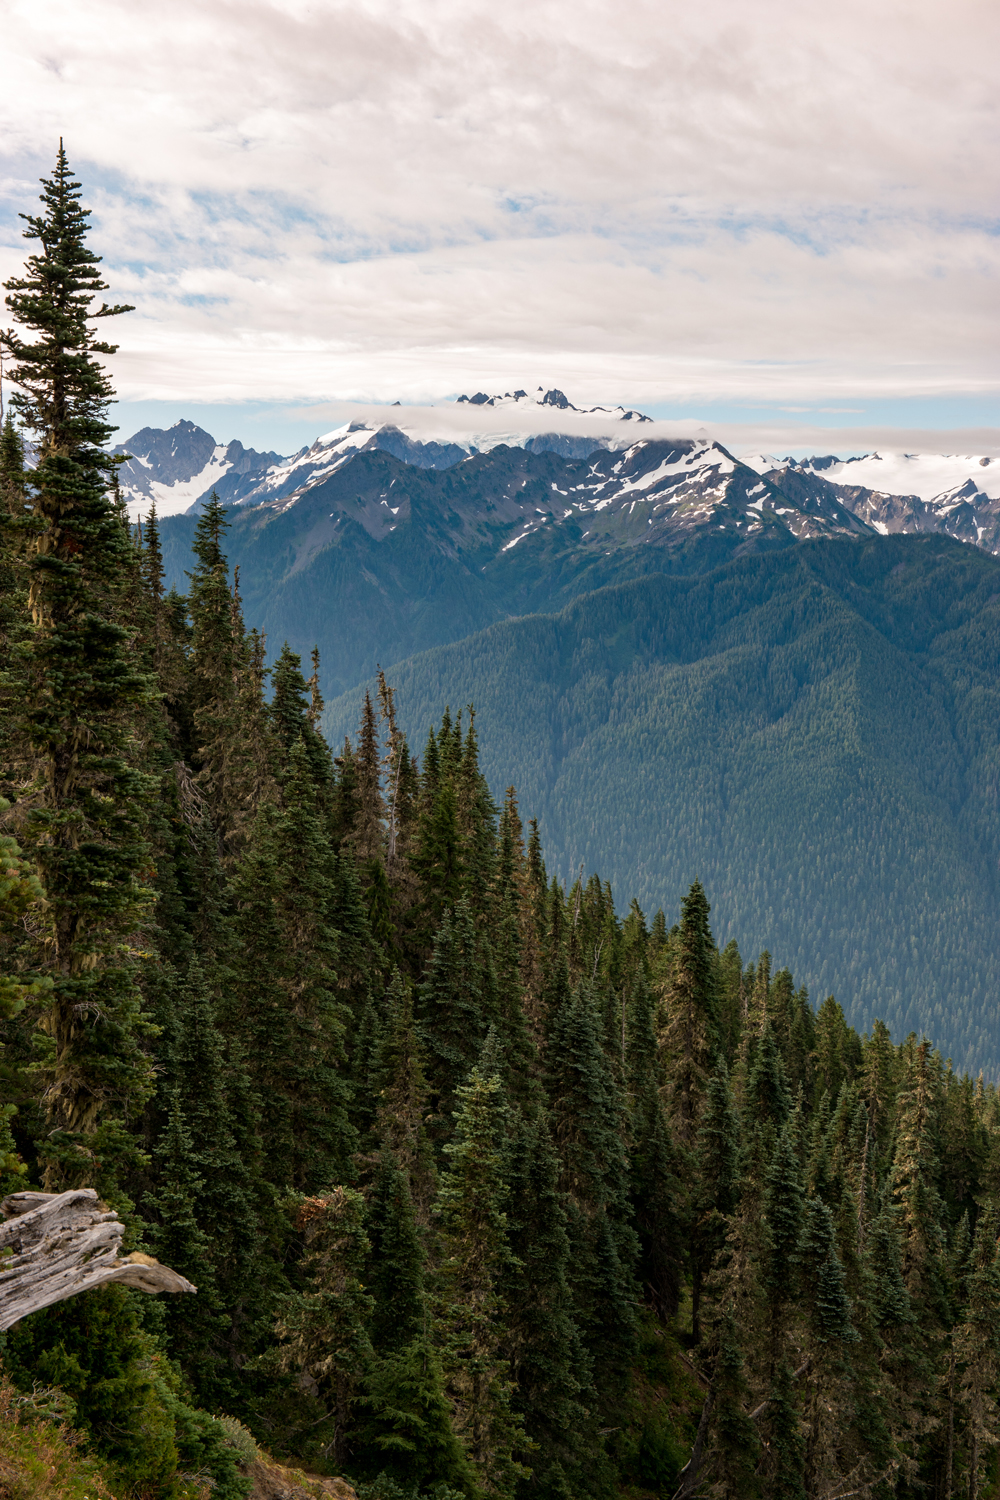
{"points": [[55, 1245]]}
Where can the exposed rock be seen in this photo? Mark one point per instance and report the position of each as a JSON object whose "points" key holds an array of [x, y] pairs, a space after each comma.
{"points": [[272, 1481]]}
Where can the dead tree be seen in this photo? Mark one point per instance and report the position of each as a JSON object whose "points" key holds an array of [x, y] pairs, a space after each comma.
{"points": [[54, 1245]]}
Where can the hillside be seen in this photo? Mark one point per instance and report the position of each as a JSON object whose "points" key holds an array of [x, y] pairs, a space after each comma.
{"points": [[811, 732]]}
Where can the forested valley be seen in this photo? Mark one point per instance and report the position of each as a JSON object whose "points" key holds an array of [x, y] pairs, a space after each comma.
{"points": [[811, 732], [487, 1189]]}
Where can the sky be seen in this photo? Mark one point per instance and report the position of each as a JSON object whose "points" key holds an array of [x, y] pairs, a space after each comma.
{"points": [[779, 219]]}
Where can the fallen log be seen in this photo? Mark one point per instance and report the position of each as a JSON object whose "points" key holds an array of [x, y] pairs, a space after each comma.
{"points": [[56, 1245]]}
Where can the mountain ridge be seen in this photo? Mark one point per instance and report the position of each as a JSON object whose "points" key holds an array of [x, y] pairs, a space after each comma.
{"points": [[416, 557]]}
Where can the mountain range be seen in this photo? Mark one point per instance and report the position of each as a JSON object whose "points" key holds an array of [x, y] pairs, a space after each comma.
{"points": [[780, 676], [375, 542], [890, 492]]}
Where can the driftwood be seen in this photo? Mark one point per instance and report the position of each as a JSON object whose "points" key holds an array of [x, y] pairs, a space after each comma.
{"points": [[55, 1245]]}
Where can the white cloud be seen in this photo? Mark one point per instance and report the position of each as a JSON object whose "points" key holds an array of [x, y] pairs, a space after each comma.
{"points": [[381, 199]]}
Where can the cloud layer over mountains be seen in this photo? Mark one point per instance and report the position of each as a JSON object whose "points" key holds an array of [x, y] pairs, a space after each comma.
{"points": [[369, 201]]}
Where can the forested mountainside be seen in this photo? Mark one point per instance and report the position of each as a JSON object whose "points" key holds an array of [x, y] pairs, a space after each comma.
{"points": [[379, 559], [488, 1188], [812, 732]]}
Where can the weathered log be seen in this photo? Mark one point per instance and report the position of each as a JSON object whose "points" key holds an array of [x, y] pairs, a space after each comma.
{"points": [[55, 1245]]}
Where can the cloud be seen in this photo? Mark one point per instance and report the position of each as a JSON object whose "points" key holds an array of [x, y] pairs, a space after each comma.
{"points": [[373, 200]]}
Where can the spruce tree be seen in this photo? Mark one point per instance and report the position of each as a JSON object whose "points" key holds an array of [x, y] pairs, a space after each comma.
{"points": [[292, 1021], [977, 1346], [588, 1121], [656, 1166], [322, 1331], [735, 1440], [784, 1212], [367, 836], [400, 1088], [233, 747], [195, 1328], [717, 1186]]}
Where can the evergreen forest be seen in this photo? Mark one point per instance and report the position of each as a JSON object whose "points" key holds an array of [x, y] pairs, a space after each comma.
{"points": [[811, 732], [487, 1188]]}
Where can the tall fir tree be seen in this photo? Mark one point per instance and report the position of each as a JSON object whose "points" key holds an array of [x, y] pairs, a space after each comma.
{"points": [[471, 1207], [691, 1035], [84, 704]]}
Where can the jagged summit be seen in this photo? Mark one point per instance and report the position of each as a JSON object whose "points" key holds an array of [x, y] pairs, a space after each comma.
{"points": [[178, 466], [554, 398]]}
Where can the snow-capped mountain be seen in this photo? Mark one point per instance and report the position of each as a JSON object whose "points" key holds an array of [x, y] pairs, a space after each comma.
{"points": [[673, 484], [953, 494], [179, 467], [522, 400], [649, 494], [383, 557]]}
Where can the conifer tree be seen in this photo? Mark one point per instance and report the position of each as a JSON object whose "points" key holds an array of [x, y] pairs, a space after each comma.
{"points": [[407, 1431], [400, 1088], [293, 1022], [736, 1448], [691, 1036], [15, 527], [654, 1160], [322, 1331], [587, 1116], [235, 764], [292, 717], [768, 1098], [914, 1184], [205, 1144], [83, 702], [548, 1363], [717, 1187], [437, 858], [477, 814], [367, 835], [195, 1327], [786, 1479], [505, 931], [977, 1346], [784, 1210], [471, 1207], [456, 1006]]}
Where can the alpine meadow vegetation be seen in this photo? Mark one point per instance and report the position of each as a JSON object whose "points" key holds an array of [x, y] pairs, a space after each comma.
{"points": [[488, 1188]]}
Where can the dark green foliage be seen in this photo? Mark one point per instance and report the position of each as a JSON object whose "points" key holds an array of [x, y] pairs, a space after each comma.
{"points": [[85, 802], [823, 1276], [456, 1005], [395, 1275], [471, 1208], [551, 1371], [736, 1445], [811, 732]]}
